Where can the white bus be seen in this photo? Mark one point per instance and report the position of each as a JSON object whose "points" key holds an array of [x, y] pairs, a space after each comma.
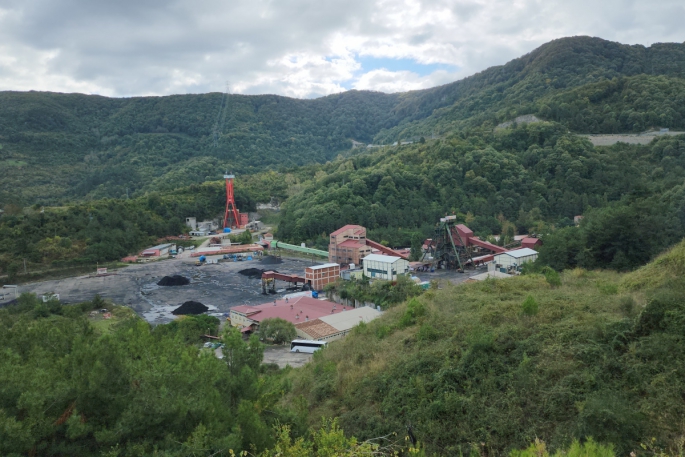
{"points": [[306, 345]]}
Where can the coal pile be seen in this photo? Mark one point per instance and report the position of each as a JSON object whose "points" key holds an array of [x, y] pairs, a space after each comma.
{"points": [[253, 273], [190, 307], [175, 280], [271, 260]]}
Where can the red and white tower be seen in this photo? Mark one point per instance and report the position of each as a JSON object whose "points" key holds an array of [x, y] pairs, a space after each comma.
{"points": [[232, 215]]}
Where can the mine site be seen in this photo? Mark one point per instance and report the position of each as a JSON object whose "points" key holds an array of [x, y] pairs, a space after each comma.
{"points": [[217, 286]]}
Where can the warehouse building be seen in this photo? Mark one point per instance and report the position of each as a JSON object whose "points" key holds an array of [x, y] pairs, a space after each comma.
{"points": [[335, 326], [512, 260], [386, 267], [320, 275], [300, 309], [160, 250]]}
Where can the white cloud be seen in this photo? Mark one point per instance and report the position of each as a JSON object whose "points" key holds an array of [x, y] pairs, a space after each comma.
{"points": [[299, 48]]}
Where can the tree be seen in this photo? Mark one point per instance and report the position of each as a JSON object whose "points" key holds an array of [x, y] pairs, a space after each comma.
{"points": [[416, 247], [277, 330]]}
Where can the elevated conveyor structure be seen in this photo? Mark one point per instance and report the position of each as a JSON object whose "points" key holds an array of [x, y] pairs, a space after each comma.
{"points": [[292, 247]]}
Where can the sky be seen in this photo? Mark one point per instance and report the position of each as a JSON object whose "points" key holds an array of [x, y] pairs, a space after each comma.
{"points": [[295, 48]]}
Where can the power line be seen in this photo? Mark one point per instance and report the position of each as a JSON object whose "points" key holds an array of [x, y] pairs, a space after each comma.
{"points": [[221, 117]]}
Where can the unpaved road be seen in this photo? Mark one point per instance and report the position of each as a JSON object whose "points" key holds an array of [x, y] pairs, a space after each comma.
{"points": [[634, 138], [218, 286]]}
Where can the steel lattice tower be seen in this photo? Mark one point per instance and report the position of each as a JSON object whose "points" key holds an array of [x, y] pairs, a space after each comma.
{"points": [[231, 217]]}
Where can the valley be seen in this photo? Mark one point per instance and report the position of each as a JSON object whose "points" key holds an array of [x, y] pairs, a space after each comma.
{"points": [[572, 347]]}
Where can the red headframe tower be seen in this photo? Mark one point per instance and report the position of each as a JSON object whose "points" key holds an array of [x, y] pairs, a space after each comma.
{"points": [[232, 215]]}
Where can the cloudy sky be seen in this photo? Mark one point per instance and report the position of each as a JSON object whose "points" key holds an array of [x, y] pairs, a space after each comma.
{"points": [[298, 48]]}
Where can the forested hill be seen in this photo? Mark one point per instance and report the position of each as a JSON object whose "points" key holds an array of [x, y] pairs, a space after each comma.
{"points": [[56, 146], [59, 147], [524, 86]]}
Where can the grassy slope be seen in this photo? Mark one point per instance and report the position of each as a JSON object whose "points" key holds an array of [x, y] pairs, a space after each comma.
{"points": [[474, 369]]}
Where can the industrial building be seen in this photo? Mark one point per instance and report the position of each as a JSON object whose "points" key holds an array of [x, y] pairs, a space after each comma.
{"points": [[531, 243], [335, 326], [386, 267], [350, 245], [320, 275], [161, 250], [512, 260], [300, 309]]}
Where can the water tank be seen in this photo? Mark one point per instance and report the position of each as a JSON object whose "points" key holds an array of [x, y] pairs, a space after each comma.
{"points": [[227, 230], [202, 258]]}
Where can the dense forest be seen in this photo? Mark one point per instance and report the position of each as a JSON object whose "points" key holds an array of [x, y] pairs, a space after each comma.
{"points": [[56, 148], [532, 178]]}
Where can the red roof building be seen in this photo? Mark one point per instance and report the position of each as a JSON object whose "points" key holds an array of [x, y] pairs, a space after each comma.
{"points": [[299, 309], [531, 243]]}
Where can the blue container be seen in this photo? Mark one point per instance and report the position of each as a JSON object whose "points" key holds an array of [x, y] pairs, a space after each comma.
{"points": [[315, 294], [227, 230], [249, 258], [202, 258]]}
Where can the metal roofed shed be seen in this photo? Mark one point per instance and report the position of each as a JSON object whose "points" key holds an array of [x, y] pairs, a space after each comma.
{"points": [[489, 274], [386, 267], [512, 260], [335, 326], [158, 251]]}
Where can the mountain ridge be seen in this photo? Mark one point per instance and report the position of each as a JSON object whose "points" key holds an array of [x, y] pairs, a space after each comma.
{"points": [[64, 147]]}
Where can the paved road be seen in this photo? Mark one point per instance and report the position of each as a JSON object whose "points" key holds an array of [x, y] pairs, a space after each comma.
{"points": [[282, 356]]}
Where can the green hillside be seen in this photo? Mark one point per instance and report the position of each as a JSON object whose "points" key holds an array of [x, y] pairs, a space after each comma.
{"points": [[500, 363], [529, 179], [68, 146], [64, 147], [502, 93]]}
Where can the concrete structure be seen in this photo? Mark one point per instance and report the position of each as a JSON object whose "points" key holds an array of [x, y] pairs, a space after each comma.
{"points": [[268, 237], [301, 309], [161, 250], [531, 243], [348, 245], [199, 233], [489, 274], [335, 326], [320, 275], [385, 267], [512, 260], [348, 275], [191, 222]]}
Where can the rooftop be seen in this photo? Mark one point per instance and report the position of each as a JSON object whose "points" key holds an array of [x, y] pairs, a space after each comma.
{"points": [[351, 318], [295, 310], [518, 253], [490, 274], [317, 328], [352, 244], [325, 265], [357, 229], [382, 258], [160, 246]]}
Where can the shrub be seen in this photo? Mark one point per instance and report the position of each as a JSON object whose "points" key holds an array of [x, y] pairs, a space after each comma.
{"points": [[529, 307], [415, 309], [552, 277]]}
